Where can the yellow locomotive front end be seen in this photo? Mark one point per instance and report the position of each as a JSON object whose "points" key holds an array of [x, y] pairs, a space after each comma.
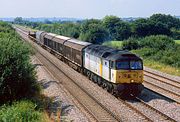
{"points": [[129, 72], [128, 75]]}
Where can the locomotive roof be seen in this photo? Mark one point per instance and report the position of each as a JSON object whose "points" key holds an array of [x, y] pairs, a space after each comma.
{"points": [[49, 35], [110, 53], [75, 41], [39, 32], [76, 44], [62, 37], [123, 55]]}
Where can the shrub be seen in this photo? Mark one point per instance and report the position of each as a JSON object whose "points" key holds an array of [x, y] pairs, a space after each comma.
{"points": [[17, 75], [159, 42], [23, 111], [160, 48], [131, 44]]}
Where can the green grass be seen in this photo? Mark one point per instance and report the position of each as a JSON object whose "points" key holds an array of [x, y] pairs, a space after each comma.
{"points": [[177, 41], [22, 111], [159, 66], [114, 44], [162, 67]]}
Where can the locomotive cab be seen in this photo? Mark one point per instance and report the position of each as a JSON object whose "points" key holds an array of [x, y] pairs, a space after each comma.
{"points": [[127, 74]]}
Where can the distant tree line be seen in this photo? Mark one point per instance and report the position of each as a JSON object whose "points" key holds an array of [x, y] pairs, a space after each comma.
{"points": [[111, 28]]}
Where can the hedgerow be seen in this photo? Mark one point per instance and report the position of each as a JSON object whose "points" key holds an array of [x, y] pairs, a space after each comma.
{"points": [[158, 48], [23, 111], [17, 74]]}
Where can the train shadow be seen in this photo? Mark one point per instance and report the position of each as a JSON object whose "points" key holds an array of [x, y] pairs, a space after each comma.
{"points": [[37, 65], [147, 95], [45, 84], [56, 109]]}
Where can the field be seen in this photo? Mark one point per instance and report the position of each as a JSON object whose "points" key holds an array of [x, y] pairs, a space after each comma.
{"points": [[177, 41], [114, 44]]}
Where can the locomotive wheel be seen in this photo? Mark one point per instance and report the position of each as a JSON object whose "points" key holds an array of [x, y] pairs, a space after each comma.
{"points": [[88, 74], [104, 85], [109, 88], [95, 79], [84, 72], [91, 76], [99, 81], [115, 93]]}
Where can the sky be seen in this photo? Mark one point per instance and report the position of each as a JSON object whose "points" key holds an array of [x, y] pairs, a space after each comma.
{"points": [[87, 8]]}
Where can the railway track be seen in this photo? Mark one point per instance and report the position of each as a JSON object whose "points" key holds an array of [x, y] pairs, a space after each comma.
{"points": [[162, 85], [162, 79], [156, 112], [98, 111], [151, 113], [91, 105]]}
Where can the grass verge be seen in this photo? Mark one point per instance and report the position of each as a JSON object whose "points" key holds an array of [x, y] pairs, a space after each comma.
{"points": [[177, 41], [148, 62], [22, 111], [161, 67], [114, 44], [34, 109]]}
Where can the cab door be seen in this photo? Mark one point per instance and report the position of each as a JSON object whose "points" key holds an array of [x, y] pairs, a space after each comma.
{"points": [[105, 69]]}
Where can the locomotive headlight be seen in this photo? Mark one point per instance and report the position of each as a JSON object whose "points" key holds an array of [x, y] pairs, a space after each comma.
{"points": [[132, 81]]}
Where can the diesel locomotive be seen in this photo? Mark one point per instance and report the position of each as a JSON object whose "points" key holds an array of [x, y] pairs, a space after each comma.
{"points": [[118, 71]]}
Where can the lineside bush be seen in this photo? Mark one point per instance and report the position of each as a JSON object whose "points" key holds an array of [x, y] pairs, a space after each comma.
{"points": [[158, 48], [17, 75], [23, 111]]}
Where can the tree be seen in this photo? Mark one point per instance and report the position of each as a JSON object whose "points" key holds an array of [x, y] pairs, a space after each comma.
{"points": [[93, 31], [159, 29], [110, 23], [146, 27], [140, 27], [18, 20], [167, 20], [70, 29], [123, 31], [46, 21]]}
